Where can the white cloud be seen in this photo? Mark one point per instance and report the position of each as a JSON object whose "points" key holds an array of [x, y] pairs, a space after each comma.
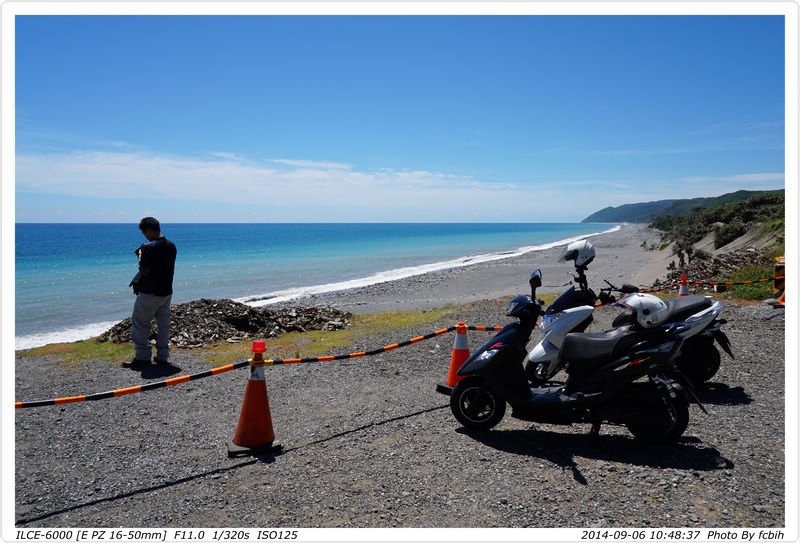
{"points": [[228, 156], [307, 190], [312, 164], [294, 190]]}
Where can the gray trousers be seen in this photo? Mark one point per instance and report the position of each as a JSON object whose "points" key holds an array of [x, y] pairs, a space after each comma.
{"points": [[146, 308]]}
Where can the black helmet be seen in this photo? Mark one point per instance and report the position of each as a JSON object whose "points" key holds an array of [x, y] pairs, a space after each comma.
{"points": [[520, 306]]}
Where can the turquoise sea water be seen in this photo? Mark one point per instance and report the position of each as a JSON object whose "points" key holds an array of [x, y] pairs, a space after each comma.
{"points": [[72, 279]]}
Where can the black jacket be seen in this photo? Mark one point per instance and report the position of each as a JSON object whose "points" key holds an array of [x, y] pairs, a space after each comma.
{"points": [[156, 267]]}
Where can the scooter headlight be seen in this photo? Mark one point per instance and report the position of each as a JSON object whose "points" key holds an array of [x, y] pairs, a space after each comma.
{"points": [[548, 319]]}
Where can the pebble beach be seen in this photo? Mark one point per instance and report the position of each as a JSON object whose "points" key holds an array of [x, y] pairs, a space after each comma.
{"points": [[620, 258]]}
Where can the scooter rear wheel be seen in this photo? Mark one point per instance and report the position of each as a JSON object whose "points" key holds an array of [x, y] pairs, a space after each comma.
{"points": [[475, 405], [669, 430], [699, 365]]}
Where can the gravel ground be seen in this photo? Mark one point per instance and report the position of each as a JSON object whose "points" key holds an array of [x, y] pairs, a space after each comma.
{"points": [[369, 443]]}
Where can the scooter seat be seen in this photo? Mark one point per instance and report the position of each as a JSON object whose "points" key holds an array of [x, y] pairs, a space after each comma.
{"points": [[683, 307], [591, 346], [583, 351]]}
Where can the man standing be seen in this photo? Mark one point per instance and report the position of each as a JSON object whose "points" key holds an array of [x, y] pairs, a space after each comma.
{"points": [[153, 289]]}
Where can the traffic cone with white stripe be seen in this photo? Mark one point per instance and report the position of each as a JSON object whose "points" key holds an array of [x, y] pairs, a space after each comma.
{"points": [[254, 434], [459, 355], [684, 288]]}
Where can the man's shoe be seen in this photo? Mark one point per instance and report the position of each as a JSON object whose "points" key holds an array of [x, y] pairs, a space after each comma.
{"points": [[161, 361], [135, 363]]}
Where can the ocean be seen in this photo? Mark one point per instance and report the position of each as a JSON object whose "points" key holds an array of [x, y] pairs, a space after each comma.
{"points": [[72, 279]]}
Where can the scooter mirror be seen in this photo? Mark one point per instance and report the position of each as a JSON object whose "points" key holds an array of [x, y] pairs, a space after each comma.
{"points": [[627, 288], [536, 279]]}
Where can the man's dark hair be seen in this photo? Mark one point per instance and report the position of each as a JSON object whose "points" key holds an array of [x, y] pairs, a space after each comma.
{"points": [[149, 223]]}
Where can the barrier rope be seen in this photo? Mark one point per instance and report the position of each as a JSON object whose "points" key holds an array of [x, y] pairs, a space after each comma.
{"points": [[279, 361], [729, 283], [677, 284], [222, 369], [134, 389]]}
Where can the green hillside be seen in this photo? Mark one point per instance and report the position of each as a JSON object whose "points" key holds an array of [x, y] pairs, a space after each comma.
{"points": [[648, 211], [643, 212], [762, 214], [727, 220]]}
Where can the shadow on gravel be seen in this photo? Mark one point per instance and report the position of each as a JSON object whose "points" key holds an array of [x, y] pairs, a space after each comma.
{"points": [[154, 371], [722, 394], [263, 459], [562, 449], [366, 427]]}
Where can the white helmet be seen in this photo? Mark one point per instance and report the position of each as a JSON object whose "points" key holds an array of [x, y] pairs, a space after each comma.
{"points": [[582, 252], [646, 309]]}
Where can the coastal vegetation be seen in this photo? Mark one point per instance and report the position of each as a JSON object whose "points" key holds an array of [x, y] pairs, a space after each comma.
{"points": [[756, 291], [761, 217], [728, 221]]}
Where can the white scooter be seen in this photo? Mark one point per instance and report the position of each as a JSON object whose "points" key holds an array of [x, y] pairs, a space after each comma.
{"points": [[572, 312]]}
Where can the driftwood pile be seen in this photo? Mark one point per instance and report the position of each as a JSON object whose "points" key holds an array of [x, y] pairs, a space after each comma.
{"points": [[204, 322]]}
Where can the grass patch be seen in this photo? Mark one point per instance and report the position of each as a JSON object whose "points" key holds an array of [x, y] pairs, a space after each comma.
{"points": [[288, 345], [82, 351], [376, 323], [756, 291]]}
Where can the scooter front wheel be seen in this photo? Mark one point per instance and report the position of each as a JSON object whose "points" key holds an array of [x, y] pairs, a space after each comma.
{"points": [[475, 405]]}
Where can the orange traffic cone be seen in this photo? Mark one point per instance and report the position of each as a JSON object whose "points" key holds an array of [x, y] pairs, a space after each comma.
{"points": [[457, 359], [254, 434], [459, 355], [684, 288]]}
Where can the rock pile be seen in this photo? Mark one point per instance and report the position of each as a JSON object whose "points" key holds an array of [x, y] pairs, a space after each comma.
{"points": [[719, 267], [203, 322]]}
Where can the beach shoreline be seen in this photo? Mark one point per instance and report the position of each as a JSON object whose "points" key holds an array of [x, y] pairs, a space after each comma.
{"points": [[620, 258]]}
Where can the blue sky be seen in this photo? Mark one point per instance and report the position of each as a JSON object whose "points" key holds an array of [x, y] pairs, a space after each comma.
{"points": [[412, 118]]}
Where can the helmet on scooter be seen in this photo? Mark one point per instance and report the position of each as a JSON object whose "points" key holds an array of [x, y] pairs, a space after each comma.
{"points": [[582, 252], [646, 310]]}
